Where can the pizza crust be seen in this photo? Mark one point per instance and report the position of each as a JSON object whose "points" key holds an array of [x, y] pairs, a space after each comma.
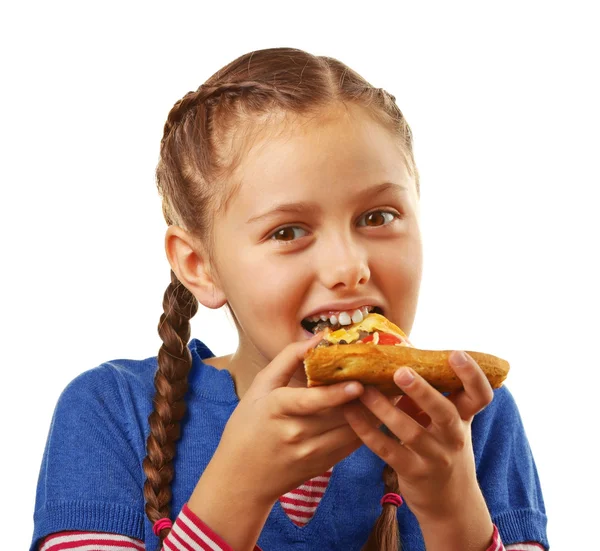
{"points": [[375, 365]]}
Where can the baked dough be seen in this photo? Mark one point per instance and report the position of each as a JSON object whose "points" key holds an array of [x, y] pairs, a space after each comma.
{"points": [[375, 365]]}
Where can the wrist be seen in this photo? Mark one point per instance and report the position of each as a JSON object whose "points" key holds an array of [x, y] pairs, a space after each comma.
{"points": [[467, 527], [229, 506], [236, 480]]}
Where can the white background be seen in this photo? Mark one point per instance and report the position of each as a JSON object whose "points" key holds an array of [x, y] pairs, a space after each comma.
{"points": [[503, 103]]}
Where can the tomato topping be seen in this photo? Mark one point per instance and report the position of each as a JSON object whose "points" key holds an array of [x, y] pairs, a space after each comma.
{"points": [[384, 338]]}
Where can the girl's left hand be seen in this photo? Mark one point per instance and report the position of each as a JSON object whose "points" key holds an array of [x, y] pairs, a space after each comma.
{"points": [[434, 459]]}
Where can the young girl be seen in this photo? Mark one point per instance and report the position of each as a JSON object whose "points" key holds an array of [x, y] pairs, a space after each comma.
{"points": [[290, 190]]}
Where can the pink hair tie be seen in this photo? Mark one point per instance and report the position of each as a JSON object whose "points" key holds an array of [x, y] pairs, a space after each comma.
{"points": [[392, 498], [161, 524]]}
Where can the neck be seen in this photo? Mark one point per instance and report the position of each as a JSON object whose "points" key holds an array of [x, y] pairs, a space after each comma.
{"points": [[243, 370], [245, 364]]}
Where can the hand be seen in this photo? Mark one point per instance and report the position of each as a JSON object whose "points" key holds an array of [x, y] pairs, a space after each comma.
{"points": [[434, 459], [280, 436]]}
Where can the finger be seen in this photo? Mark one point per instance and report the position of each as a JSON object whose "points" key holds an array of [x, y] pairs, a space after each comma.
{"points": [[338, 413], [337, 443], [411, 433], [392, 452], [477, 393], [372, 419], [433, 403], [299, 430], [309, 401], [280, 371], [408, 406]]}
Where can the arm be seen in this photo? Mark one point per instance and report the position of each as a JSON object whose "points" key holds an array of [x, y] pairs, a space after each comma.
{"points": [[469, 528], [88, 480]]}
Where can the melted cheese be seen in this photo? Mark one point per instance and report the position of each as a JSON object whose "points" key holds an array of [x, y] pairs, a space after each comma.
{"points": [[373, 322]]}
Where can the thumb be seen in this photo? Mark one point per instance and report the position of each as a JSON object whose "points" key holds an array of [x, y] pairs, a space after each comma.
{"points": [[280, 371]]}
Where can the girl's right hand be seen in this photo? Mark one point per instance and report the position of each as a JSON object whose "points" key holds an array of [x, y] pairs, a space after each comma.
{"points": [[279, 437]]}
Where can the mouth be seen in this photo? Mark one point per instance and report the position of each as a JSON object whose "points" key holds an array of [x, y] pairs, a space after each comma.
{"points": [[335, 320]]}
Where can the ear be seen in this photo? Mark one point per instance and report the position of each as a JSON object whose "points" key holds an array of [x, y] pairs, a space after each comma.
{"points": [[190, 263]]}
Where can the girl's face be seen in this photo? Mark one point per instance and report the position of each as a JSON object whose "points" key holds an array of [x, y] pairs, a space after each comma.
{"points": [[326, 219]]}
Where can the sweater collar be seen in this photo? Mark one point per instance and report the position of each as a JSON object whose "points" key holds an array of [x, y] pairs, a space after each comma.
{"points": [[207, 381]]}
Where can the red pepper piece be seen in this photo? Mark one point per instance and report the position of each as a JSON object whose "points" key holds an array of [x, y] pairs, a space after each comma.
{"points": [[384, 338]]}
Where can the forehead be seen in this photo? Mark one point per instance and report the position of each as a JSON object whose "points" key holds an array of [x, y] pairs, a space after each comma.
{"points": [[321, 158]]}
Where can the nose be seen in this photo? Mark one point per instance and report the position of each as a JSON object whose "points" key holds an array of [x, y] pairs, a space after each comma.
{"points": [[344, 264]]}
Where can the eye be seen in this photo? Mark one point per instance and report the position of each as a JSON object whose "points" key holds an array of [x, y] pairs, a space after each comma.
{"points": [[378, 218], [287, 234]]}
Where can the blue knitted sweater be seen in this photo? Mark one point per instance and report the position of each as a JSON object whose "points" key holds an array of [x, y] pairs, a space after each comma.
{"points": [[91, 475]]}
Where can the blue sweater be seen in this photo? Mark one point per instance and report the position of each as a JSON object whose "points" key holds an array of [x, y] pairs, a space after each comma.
{"points": [[91, 476]]}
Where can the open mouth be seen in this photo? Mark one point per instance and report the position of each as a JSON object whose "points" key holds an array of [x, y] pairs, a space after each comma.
{"points": [[334, 322]]}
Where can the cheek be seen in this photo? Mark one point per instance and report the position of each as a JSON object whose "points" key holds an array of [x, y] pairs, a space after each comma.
{"points": [[269, 291], [267, 305], [402, 284], [400, 274]]}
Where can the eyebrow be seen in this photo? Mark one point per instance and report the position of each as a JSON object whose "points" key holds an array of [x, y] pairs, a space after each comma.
{"points": [[303, 206]]}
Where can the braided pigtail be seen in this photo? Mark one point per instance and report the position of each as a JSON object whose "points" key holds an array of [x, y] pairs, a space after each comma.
{"points": [[170, 382], [385, 535]]}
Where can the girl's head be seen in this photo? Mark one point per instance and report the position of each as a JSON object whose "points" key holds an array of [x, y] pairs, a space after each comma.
{"points": [[289, 187]]}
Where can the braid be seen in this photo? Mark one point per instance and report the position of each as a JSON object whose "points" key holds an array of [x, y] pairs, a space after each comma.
{"points": [[170, 382], [209, 96], [179, 110], [385, 535]]}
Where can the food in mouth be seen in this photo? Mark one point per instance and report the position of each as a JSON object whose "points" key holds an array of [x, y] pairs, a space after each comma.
{"points": [[373, 349], [335, 319]]}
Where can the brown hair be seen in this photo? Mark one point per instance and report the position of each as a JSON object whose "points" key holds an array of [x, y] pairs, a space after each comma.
{"points": [[205, 137]]}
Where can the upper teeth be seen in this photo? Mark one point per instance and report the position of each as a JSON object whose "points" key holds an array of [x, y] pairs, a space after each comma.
{"points": [[345, 317]]}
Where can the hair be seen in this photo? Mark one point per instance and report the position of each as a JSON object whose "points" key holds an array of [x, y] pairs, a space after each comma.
{"points": [[205, 137]]}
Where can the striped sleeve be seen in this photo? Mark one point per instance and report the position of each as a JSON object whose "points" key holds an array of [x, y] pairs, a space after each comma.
{"points": [[497, 544], [89, 541], [189, 533], [527, 546]]}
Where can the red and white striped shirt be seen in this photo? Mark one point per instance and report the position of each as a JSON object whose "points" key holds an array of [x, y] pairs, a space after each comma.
{"points": [[189, 533], [300, 504]]}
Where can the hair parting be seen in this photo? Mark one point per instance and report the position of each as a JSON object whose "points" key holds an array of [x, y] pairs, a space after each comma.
{"points": [[204, 140]]}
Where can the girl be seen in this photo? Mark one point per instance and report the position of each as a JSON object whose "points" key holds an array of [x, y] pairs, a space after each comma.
{"points": [[290, 190]]}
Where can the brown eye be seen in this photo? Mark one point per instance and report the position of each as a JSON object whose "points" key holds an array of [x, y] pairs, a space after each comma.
{"points": [[286, 234], [378, 218]]}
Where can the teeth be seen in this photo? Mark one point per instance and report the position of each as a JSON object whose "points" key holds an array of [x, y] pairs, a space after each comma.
{"points": [[345, 319]]}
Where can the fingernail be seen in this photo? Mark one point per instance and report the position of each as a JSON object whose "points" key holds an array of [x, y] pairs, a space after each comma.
{"points": [[352, 388], [405, 376], [459, 359]]}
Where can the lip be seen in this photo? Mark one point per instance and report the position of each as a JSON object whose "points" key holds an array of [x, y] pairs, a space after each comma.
{"points": [[308, 334], [341, 306]]}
